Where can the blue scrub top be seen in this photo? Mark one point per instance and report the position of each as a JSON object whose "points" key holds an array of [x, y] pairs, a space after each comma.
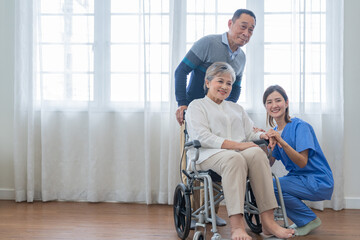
{"points": [[316, 175]]}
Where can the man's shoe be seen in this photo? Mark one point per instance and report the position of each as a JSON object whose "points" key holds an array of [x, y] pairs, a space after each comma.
{"points": [[220, 222], [192, 224]]}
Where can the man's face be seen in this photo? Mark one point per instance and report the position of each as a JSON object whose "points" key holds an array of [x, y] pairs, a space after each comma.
{"points": [[241, 30]]}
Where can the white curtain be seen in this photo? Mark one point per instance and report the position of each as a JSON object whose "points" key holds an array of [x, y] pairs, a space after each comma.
{"points": [[77, 145], [303, 52], [92, 145]]}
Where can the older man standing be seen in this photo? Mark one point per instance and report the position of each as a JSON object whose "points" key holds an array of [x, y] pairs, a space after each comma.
{"points": [[224, 47]]}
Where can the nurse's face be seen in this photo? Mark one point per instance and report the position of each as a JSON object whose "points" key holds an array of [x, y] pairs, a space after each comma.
{"points": [[276, 106]]}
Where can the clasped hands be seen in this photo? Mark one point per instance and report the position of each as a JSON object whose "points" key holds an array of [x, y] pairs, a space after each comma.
{"points": [[274, 138]]}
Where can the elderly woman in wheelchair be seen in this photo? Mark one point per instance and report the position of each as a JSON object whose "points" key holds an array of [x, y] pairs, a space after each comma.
{"points": [[226, 135]]}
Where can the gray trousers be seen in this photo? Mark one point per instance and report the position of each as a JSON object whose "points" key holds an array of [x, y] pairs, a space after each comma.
{"points": [[234, 168]]}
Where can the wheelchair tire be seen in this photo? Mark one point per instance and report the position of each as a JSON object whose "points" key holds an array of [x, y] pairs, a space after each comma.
{"points": [[198, 236], [182, 210], [252, 220]]}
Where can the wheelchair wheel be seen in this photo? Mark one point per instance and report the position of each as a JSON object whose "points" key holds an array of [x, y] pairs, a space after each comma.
{"points": [[252, 220], [198, 236], [182, 211]]}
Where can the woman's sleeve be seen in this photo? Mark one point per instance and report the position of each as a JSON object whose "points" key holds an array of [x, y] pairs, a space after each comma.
{"points": [[249, 127], [199, 129], [304, 137]]}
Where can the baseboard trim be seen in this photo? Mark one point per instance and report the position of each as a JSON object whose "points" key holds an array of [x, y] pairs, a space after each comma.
{"points": [[7, 194], [352, 202]]}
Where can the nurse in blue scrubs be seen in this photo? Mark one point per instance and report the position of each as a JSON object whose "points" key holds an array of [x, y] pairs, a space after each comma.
{"points": [[293, 141]]}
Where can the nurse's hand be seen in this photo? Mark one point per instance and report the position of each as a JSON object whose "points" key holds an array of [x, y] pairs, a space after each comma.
{"points": [[274, 139]]}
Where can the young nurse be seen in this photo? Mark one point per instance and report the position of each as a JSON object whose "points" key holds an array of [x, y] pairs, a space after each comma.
{"points": [[293, 141]]}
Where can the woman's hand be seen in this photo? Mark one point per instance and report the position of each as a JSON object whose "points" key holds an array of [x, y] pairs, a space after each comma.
{"points": [[264, 136], [299, 158], [274, 138], [239, 146], [246, 145]]}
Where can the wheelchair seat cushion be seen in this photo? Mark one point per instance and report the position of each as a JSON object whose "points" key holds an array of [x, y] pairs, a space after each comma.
{"points": [[214, 176]]}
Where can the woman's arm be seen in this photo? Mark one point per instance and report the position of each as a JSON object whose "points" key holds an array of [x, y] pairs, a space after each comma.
{"points": [[299, 158], [240, 146], [232, 145]]}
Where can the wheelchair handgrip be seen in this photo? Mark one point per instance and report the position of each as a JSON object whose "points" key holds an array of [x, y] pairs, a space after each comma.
{"points": [[195, 143], [262, 142]]}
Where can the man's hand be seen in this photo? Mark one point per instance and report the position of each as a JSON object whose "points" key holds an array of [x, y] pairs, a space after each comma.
{"points": [[258, 129], [180, 114]]}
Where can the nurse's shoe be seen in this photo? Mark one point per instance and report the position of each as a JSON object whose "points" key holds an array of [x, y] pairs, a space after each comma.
{"points": [[306, 229], [293, 226]]}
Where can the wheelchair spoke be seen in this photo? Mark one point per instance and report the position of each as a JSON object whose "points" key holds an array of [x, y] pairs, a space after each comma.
{"points": [[179, 199], [182, 222], [257, 219]]}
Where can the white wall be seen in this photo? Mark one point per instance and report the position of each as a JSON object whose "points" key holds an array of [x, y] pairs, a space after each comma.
{"points": [[351, 99], [351, 91]]}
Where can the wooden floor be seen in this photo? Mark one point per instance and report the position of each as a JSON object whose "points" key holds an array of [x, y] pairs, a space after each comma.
{"points": [[68, 220]]}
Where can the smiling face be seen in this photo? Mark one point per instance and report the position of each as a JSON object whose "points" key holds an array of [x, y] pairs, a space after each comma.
{"points": [[240, 31], [219, 87], [276, 106]]}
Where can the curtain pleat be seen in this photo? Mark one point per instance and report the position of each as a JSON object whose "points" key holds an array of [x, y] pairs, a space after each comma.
{"points": [[89, 153]]}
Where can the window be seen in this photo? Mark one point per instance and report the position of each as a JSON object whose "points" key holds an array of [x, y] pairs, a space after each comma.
{"points": [[295, 48], [108, 52], [116, 53], [65, 50]]}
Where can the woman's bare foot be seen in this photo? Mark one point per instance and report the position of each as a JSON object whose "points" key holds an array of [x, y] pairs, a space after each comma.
{"points": [[239, 234], [238, 228], [279, 232], [271, 227]]}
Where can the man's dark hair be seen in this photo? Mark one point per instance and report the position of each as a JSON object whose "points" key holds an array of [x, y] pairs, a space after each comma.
{"points": [[238, 13]]}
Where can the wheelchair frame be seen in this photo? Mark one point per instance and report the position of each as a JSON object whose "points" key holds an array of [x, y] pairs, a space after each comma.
{"points": [[183, 213]]}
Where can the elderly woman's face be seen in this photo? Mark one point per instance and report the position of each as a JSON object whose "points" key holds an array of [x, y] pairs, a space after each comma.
{"points": [[220, 87]]}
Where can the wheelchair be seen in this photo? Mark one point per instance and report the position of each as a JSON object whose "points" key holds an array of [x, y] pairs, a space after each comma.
{"points": [[213, 194]]}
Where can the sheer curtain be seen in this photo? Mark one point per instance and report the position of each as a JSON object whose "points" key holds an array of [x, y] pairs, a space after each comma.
{"points": [[299, 45], [94, 89], [94, 102]]}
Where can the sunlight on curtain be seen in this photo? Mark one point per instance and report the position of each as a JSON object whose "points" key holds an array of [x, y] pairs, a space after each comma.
{"points": [[302, 52], [94, 89], [93, 101]]}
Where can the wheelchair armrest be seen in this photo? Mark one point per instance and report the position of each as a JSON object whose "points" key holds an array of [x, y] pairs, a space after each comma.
{"points": [[195, 143], [262, 142]]}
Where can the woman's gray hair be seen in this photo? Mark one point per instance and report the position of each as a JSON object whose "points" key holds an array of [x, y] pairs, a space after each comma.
{"points": [[218, 69]]}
